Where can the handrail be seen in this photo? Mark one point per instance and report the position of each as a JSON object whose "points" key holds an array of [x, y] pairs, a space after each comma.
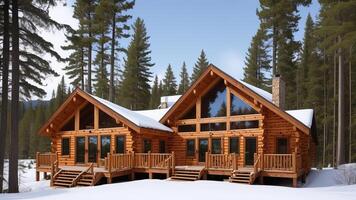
{"points": [[90, 168], [45, 159], [54, 171], [257, 164]]}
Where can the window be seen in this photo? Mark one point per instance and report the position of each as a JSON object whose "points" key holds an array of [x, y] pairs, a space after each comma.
{"points": [[105, 121], [190, 114], [187, 128], [282, 146], [244, 124], [120, 144], [234, 145], [190, 147], [69, 126], [146, 145], [213, 127], [65, 146], [216, 145], [239, 107], [213, 104], [87, 117], [162, 146], [105, 145]]}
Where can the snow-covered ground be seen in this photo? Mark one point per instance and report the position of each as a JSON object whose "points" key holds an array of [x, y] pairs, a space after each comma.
{"points": [[321, 184]]}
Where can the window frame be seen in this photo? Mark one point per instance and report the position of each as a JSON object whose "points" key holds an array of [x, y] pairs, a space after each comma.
{"points": [[238, 144], [193, 150], [101, 146], [124, 147], [65, 138], [287, 143], [220, 142], [144, 146], [160, 146]]}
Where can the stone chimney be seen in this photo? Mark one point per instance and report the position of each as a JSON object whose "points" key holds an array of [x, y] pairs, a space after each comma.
{"points": [[278, 91]]}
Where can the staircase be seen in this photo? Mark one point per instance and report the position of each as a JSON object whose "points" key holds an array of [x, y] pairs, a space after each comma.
{"points": [[65, 178], [188, 174], [245, 176], [86, 179]]}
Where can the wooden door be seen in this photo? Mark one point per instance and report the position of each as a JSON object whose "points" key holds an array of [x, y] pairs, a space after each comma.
{"points": [[250, 150], [203, 148]]}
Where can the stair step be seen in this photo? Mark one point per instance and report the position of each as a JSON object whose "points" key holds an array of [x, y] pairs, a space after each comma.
{"points": [[67, 175], [239, 181], [179, 174], [241, 177], [183, 178], [64, 178], [187, 171], [83, 183], [63, 181], [86, 179], [62, 184]]}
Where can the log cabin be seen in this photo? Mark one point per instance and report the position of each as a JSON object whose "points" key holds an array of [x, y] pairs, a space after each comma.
{"points": [[219, 126]]}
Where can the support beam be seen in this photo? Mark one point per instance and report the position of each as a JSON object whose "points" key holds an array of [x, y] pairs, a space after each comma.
{"points": [[96, 118]]}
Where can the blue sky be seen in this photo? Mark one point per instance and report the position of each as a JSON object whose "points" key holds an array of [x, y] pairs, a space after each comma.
{"points": [[179, 30]]}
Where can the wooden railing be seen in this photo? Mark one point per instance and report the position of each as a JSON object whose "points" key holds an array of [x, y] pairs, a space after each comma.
{"points": [[89, 169], [45, 159], [221, 161], [280, 162], [140, 160], [54, 171], [257, 165]]}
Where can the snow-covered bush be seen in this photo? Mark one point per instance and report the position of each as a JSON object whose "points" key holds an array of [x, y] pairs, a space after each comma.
{"points": [[346, 174]]}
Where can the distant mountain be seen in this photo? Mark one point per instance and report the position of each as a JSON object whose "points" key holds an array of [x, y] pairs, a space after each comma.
{"points": [[34, 103]]}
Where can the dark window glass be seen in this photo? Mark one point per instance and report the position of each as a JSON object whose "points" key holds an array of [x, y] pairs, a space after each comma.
{"points": [[282, 146], [190, 147], [105, 121], [93, 149], [213, 103], [147, 146], [234, 145], [244, 124], [65, 146], [87, 117], [213, 127], [216, 146], [239, 107], [186, 128], [105, 146], [80, 150], [190, 114], [120, 144], [69, 126], [162, 146]]}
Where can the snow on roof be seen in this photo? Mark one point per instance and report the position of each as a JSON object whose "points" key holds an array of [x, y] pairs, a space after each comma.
{"points": [[259, 91], [155, 114], [135, 117], [303, 115]]}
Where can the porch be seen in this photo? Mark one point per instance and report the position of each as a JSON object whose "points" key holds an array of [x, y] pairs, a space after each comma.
{"points": [[116, 165]]}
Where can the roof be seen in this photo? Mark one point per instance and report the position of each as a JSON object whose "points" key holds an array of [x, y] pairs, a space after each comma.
{"points": [[136, 117], [296, 117], [155, 114]]}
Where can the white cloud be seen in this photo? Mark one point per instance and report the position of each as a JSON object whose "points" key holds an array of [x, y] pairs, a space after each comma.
{"points": [[61, 14]]}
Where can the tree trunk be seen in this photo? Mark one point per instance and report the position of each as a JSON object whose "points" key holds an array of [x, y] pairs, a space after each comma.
{"points": [[89, 54], [334, 112], [112, 69], [13, 161], [341, 111], [274, 52], [82, 68], [350, 106], [4, 95]]}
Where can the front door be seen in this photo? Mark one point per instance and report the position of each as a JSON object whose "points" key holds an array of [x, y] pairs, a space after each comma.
{"points": [[203, 148], [250, 150], [80, 150], [92, 149]]}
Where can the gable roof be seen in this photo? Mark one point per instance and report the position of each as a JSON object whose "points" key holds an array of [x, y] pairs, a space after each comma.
{"points": [[265, 98], [131, 118]]}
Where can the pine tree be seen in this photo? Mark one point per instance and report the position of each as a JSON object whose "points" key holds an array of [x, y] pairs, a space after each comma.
{"points": [[76, 63], [169, 82], [61, 93], [118, 31], [184, 80], [135, 89], [155, 94], [84, 11], [101, 25], [258, 62], [199, 67]]}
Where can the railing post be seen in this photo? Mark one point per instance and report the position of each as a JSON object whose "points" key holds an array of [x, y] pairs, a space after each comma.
{"points": [[149, 159], [262, 161], [294, 162], [37, 159], [173, 162], [133, 159], [207, 160], [109, 162], [234, 161]]}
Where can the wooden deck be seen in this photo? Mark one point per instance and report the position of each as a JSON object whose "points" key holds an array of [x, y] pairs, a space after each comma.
{"points": [[115, 165]]}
